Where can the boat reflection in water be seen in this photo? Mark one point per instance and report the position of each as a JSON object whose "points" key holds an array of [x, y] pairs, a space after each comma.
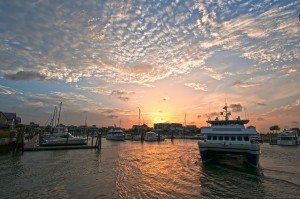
{"points": [[224, 178]]}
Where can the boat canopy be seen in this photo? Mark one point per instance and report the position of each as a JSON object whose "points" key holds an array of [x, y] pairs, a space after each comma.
{"points": [[227, 122]]}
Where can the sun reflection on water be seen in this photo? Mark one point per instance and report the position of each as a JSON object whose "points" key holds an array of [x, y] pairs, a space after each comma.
{"points": [[158, 170]]}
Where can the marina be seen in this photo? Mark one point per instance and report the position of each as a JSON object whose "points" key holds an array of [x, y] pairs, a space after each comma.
{"points": [[148, 170], [141, 99]]}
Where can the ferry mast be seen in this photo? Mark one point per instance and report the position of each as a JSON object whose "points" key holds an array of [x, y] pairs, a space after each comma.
{"points": [[226, 112]]}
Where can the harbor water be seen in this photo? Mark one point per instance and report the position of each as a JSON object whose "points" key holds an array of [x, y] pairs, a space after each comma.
{"points": [[148, 170]]}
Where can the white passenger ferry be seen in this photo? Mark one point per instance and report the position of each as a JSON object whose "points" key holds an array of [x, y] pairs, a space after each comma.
{"points": [[229, 137]]}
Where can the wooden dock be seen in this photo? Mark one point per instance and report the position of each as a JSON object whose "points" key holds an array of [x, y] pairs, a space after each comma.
{"points": [[32, 145]]}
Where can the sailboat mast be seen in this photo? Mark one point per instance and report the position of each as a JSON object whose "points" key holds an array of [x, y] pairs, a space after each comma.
{"points": [[85, 124], [139, 121], [59, 113], [53, 117]]}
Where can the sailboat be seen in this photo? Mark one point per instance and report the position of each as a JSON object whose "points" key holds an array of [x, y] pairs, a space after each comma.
{"points": [[138, 136], [59, 134]]}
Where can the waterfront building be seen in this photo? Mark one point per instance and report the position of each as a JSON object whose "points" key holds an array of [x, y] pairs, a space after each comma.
{"points": [[7, 119]]}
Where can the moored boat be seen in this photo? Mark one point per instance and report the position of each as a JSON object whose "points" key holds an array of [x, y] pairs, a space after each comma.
{"points": [[152, 136], [136, 137], [60, 136], [229, 137], [115, 134], [288, 138]]}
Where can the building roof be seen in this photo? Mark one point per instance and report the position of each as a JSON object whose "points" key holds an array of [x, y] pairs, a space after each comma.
{"points": [[10, 116]]}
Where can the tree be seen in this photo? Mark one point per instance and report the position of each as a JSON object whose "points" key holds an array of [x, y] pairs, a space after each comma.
{"points": [[296, 129], [275, 128]]}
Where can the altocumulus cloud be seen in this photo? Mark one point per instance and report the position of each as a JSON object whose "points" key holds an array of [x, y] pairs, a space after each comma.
{"points": [[197, 86], [140, 42]]}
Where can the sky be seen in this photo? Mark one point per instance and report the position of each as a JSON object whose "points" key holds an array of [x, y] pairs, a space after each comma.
{"points": [[105, 59]]}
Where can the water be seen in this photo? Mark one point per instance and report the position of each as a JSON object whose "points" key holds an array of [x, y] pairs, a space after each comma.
{"points": [[149, 170]]}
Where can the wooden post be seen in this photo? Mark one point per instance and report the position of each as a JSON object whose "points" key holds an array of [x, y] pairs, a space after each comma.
{"points": [[87, 137], [93, 138], [97, 140], [100, 140], [68, 138], [172, 135], [158, 136], [271, 139], [22, 143]]}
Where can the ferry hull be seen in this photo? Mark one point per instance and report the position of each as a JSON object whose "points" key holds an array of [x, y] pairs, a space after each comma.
{"points": [[251, 156]]}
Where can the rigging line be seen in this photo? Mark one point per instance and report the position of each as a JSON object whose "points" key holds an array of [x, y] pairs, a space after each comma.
{"points": [[59, 113], [47, 120]]}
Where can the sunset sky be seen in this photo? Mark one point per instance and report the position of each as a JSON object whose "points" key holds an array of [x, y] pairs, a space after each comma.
{"points": [[106, 59]]}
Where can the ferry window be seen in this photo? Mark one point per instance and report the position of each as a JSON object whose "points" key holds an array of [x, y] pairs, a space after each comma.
{"points": [[232, 138], [215, 137], [209, 137], [246, 138], [226, 138], [239, 138], [220, 137]]}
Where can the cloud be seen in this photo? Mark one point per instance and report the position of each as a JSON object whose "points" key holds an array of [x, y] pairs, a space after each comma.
{"points": [[120, 94], [34, 105], [165, 98], [260, 103], [141, 42], [25, 75], [245, 84], [260, 119], [286, 107], [236, 107], [197, 86], [6, 90], [110, 111], [123, 98], [70, 100], [112, 116], [211, 115]]}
